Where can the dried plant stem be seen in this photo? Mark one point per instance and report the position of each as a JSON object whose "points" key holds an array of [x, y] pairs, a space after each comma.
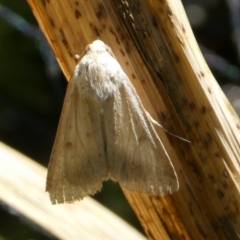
{"points": [[22, 184]]}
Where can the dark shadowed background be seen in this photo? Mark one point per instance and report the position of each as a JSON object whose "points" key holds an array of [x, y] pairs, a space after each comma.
{"points": [[32, 88]]}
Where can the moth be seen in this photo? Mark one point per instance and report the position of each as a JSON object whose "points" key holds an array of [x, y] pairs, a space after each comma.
{"points": [[105, 133]]}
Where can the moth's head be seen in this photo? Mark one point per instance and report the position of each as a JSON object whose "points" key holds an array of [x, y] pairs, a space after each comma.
{"points": [[98, 46]]}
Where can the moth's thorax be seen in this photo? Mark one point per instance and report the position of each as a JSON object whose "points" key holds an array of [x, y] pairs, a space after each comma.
{"points": [[96, 75]]}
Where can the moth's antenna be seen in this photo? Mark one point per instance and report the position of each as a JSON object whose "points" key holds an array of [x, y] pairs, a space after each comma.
{"points": [[165, 130]]}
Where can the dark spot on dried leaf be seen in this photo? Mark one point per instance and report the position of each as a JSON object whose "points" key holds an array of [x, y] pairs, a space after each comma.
{"points": [[196, 123], [122, 51], [224, 184], [51, 22], [192, 105], [77, 14], [95, 29], [217, 154], [149, 234], [201, 231], [68, 144], [101, 12], [115, 35], [203, 110], [64, 40], [154, 22], [211, 178], [195, 168], [163, 116], [207, 140], [220, 194], [44, 3], [176, 58]]}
